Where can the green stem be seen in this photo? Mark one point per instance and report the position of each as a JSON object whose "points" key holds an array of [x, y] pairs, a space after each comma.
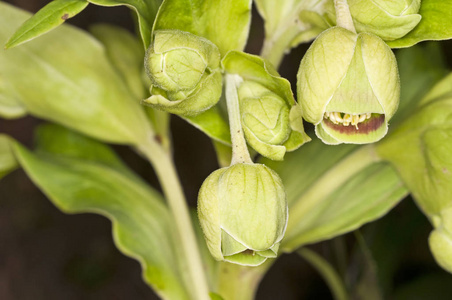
{"points": [[166, 172], [309, 206], [328, 273], [240, 152], [240, 282], [343, 16], [276, 46]]}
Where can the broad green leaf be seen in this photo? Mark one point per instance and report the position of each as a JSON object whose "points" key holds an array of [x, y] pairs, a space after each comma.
{"points": [[7, 160], [47, 18], [436, 24], [142, 225], [213, 124], [145, 10], [302, 168], [125, 53], [332, 190], [223, 22], [11, 106], [420, 67], [65, 77], [60, 141], [420, 151], [289, 23]]}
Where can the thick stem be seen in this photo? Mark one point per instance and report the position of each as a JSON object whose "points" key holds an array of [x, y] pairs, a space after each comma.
{"points": [[276, 46], [172, 189], [343, 16], [240, 282], [240, 152], [328, 273], [338, 175]]}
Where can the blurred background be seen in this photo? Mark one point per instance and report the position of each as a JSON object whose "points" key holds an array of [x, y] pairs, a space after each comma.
{"points": [[45, 254]]}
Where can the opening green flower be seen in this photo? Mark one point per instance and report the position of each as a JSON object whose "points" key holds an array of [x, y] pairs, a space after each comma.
{"points": [[348, 86]]}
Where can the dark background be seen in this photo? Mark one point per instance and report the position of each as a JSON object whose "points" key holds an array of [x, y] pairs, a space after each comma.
{"points": [[45, 254]]}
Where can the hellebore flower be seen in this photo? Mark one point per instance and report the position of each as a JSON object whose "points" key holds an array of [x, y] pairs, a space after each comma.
{"points": [[185, 72], [390, 20], [348, 86], [243, 213]]}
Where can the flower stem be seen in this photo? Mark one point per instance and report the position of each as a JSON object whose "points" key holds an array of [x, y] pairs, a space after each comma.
{"points": [[240, 152], [276, 46], [241, 282], [343, 16], [328, 273], [172, 189]]}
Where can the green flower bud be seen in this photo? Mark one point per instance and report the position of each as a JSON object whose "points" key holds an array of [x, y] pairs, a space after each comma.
{"points": [[440, 239], [389, 20], [348, 86], [185, 72], [265, 116], [243, 213], [271, 119]]}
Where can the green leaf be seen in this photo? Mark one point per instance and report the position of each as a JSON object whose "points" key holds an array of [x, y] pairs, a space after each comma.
{"points": [[333, 190], [223, 22], [212, 123], [145, 10], [65, 77], [85, 180], [47, 18], [436, 24], [420, 67], [420, 148], [125, 53], [367, 196], [11, 106], [62, 142], [7, 160]]}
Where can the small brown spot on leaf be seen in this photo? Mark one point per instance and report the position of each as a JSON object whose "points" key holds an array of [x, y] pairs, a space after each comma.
{"points": [[158, 138], [65, 17]]}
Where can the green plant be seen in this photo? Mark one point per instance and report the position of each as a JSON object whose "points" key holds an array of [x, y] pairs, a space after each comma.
{"points": [[112, 87]]}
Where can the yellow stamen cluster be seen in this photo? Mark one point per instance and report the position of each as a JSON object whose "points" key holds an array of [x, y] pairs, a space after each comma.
{"points": [[346, 119]]}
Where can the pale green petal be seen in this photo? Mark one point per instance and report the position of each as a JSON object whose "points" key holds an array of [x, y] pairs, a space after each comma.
{"points": [[246, 259], [204, 97], [253, 205], [355, 94], [229, 246], [322, 70], [209, 213], [382, 72]]}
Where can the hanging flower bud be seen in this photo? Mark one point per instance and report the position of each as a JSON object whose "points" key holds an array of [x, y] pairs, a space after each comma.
{"points": [[440, 239], [243, 213], [389, 20], [271, 119], [265, 117], [184, 71], [348, 86]]}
